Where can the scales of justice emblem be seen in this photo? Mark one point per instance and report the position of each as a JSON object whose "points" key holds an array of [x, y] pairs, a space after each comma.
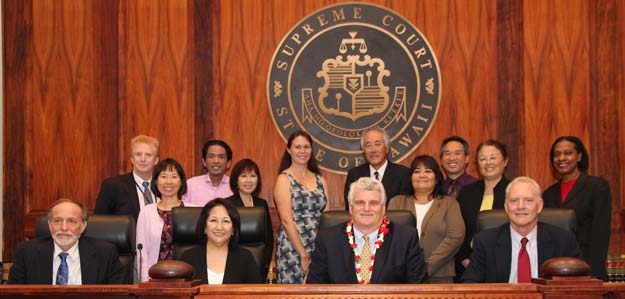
{"points": [[353, 85]]}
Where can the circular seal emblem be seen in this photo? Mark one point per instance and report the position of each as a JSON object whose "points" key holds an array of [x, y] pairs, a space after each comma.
{"points": [[349, 67]]}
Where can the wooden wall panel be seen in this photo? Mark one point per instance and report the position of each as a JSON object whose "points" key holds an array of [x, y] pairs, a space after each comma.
{"points": [[557, 85], [157, 98], [82, 77]]}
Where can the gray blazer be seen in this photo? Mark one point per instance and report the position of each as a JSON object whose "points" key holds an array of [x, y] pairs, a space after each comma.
{"points": [[442, 233]]}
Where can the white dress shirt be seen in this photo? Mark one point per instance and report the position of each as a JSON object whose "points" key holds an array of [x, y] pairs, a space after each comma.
{"points": [[380, 171], [74, 276], [532, 251]]}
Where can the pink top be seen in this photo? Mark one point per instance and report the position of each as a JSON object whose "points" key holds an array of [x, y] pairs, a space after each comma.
{"points": [[200, 190], [149, 229]]}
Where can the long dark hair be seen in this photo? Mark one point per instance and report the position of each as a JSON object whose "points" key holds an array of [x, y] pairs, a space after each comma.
{"points": [[233, 213], [286, 158], [429, 162], [584, 163]]}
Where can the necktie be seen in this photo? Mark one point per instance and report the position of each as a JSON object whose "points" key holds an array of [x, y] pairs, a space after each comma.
{"points": [[365, 261], [376, 175], [61, 274], [524, 269], [452, 189], [146, 193]]}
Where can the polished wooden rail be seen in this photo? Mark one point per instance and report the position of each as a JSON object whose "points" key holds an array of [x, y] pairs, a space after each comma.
{"points": [[578, 290]]}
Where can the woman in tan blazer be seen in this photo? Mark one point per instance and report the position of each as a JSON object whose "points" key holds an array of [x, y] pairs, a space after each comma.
{"points": [[439, 221]]}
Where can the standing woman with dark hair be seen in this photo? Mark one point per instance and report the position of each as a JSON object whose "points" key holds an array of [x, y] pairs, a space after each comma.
{"points": [[300, 196], [588, 195], [489, 193], [219, 259], [439, 222], [246, 183], [169, 183]]}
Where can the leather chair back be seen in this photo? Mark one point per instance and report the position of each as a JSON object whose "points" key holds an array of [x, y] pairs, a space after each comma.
{"points": [[118, 230], [252, 237], [562, 218], [336, 217]]}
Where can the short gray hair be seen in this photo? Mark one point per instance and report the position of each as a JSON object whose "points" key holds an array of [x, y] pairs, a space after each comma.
{"points": [[387, 139], [366, 184], [524, 179]]}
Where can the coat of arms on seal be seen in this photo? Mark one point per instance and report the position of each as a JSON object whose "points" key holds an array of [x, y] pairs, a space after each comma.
{"points": [[349, 67]]}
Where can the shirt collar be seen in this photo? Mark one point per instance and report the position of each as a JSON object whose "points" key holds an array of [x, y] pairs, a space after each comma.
{"points": [[224, 180], [73, 251], [381, 170], [531, 237], [139, 180]]}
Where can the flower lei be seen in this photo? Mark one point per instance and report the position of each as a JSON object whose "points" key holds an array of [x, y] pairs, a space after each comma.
{"points": [[378, 243]]}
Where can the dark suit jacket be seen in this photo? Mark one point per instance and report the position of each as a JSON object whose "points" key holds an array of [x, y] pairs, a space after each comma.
{"points": [[591, 200], [399, 260], [239, 265], [259, 202], [99, 262], [491, 258], [470, 200], [118, 196], [396, 180]]}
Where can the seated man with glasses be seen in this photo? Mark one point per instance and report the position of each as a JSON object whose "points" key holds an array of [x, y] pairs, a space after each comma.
{"points": [[66, 258], [369, 248]]}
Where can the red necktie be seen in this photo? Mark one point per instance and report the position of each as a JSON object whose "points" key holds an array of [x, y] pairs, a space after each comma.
{"points": [[524, 268]]}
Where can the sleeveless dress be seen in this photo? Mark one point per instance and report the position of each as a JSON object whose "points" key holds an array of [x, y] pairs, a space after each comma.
{"points": [[307, 208]]}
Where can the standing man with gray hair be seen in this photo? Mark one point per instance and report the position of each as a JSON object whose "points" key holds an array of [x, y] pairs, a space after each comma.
{"points": [[375, 144], [128, 193], [369, 248], [514, 251]]}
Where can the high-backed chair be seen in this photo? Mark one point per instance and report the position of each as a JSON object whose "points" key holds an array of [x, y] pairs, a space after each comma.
{"points": [[336, 217], [252, 237], [563, 218], [118, 230]]}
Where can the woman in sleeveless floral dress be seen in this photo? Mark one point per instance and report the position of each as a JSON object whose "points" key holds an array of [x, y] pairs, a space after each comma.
{"points": [[300, 196]]}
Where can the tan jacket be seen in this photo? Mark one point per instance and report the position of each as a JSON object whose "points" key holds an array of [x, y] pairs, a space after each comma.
{"points": [[442, 232]]}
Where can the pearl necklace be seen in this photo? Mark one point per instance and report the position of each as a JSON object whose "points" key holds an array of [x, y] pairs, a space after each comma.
{"points": [[378, 243]]}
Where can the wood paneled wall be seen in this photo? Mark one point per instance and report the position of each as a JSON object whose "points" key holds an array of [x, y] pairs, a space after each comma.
{"points": [[82, 77]]}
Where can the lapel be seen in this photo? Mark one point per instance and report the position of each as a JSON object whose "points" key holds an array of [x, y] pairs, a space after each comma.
{"points": [[577, 188], [502, 253], [237, 201], [130, 187], [87, 261], [428, 216], [348, 256], [44, 257], [545, 245], [202, 275], [381, 256]]}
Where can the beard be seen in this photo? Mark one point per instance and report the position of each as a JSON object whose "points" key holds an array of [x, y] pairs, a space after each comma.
{"points": [[65, 239]]}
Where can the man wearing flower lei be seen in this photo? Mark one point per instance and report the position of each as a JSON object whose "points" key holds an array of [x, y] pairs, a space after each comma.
{"points": [[369, 248]]}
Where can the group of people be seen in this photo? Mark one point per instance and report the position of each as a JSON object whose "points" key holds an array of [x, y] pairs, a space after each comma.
{"points": [[443, 247]]}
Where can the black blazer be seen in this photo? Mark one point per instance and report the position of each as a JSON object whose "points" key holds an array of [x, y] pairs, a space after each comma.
{"points": [[396, 180], [239, 265], [470, 200], [590, 198], [118, 196], [259, 202], [491, 258], [399, 260], [99, 262]]}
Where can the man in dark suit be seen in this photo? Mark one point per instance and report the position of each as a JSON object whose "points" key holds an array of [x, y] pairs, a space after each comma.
{"points": [[375, 144], [66, 258], [513, 252], [368, 248], [126, 194]]}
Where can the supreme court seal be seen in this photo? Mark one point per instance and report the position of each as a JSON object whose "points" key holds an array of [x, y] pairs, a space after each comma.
{"points": [[346, 68]]}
